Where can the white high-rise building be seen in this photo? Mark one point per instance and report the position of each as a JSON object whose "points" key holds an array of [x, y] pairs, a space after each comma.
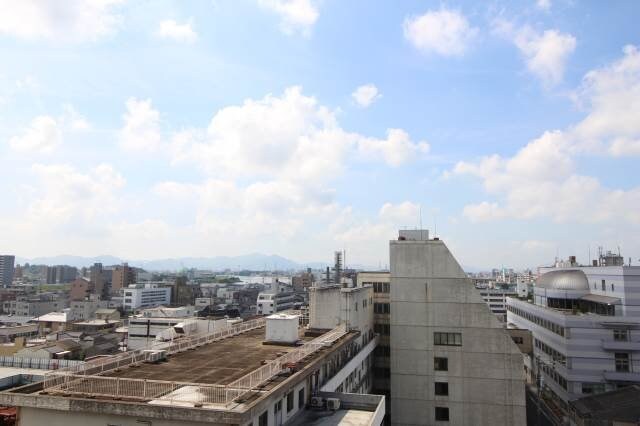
{"points": [[585, 322], [451, 359]]}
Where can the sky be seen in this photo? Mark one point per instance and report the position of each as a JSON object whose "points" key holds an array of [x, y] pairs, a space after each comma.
{"points": [[155, 129]]}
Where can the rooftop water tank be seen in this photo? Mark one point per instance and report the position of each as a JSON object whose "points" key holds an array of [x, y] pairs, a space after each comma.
{"points": [[282, 328]]}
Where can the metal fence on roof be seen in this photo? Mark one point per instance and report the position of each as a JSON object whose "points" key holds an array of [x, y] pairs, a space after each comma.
{"points": [[86, 379]]}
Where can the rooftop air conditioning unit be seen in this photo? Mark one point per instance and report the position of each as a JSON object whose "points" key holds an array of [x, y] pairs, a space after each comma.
{"points": [[155, 355], [333, 404], [317, 402]]}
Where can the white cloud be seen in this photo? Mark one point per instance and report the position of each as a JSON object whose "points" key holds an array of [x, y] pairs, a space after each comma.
{"points": [[66, 196], [287, 137], [543, 5], [295, 15], [612, 95], [141, 131], [73, 120], [541, 179], [68, 21], [395, 150], [42, 136], [403, 214], [545, 53], [170, 29], [365, 95], [445, 32]]}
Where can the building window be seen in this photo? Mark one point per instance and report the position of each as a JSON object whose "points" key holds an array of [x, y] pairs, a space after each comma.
{"points": [[442, 414], [440, 364], [290, 404], [621, 335], [301, 398], [622, 361], [442, 388], [447, 339], [518, 339], [604, 288], [612, 287], [278, 407], [263, 420], [592, 388]]}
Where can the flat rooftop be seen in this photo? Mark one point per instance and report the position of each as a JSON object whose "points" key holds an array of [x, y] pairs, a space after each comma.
{"points": [[219, 362], [346, 417]]}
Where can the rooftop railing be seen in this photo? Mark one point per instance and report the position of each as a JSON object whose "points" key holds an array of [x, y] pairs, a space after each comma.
{"points": [[87, 379]]}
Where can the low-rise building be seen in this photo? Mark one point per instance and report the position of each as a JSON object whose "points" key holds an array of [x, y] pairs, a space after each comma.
{"points": [[496, 299], [148, 295]]}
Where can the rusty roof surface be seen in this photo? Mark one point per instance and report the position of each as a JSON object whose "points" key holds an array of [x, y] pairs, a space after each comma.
{"points": [[219, 362]]}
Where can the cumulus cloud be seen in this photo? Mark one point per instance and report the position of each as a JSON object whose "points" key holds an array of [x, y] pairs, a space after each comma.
{"points": [[541, 179], [287, 137], [68, 196], [141, 131], [67, 21], [395, 150], [295, 15], [45, 133], [42, 136], [365, 95], [611, 95], [445, 32], [545, 53], [170, 29]]}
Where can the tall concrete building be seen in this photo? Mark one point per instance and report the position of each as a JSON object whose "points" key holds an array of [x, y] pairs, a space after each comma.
{"points": [[452, 361], [6, 270], [123, 275]]}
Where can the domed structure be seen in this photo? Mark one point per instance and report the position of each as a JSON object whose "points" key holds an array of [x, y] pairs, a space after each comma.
{"points": [[563, 280]]}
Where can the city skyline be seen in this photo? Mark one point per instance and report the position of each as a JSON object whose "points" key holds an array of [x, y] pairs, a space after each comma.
{"points": [[181, 129]]}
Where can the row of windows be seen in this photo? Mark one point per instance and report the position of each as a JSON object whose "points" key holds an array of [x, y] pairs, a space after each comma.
{"points": [[604, 286], [378, 287], [559, 330], [263, 420], [382, 329], [381, 308], [555, 355], [549, 371], [447, 339]]}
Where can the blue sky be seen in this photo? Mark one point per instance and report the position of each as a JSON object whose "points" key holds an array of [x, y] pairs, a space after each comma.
{"points": [[162, 129]]}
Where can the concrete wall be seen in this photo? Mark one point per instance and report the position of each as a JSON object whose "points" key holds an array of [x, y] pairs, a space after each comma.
{"points": [[431, 293]]}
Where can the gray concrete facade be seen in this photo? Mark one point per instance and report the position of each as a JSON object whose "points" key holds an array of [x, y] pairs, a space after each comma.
{"points": [[483, 378]]}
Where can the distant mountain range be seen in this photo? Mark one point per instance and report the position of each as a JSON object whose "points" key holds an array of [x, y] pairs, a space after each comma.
{"points": [[254, 261]]}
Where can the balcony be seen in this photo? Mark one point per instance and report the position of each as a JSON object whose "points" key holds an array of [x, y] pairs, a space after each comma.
{"points": [[620, 345], [622, 376]]}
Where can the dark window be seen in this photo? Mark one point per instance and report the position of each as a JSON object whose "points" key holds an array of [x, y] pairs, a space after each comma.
{"points": [[447, 339], [278, 406], [442, 388], [301, 398], [263, 420], [442, 414], [517, 339], [603, 286], [622, 361], [620, 335], [290, 404], [385, 288], [440, 364]]}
